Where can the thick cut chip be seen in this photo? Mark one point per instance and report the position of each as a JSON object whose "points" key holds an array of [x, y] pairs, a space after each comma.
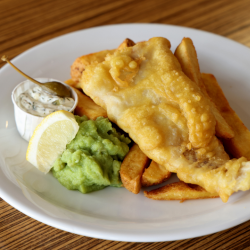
{"points": [[87, 107], [166, 114], [126, 43], [239, 145], [180, 191], [132, 168], [71, 83], [82, 62], [154, 175], [187, 56]]}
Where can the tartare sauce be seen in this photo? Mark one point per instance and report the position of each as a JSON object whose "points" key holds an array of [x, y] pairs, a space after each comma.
{"points": [[37, 102]]}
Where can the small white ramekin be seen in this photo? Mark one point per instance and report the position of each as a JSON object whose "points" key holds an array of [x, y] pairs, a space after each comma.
{"points": [[25, 122]]}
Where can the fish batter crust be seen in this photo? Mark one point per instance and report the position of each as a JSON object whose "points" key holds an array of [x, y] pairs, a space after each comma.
{"points": [[146, 94]]}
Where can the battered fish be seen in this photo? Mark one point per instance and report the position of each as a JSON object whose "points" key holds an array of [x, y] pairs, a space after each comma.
{"points": [[146, 94]]}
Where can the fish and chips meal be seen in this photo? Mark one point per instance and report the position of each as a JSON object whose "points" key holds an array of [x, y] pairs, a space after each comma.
{"points": [[177, 118]]}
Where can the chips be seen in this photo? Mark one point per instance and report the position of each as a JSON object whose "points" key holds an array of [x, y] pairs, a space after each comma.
{"points": [[132, 168], [135, 169], [179, 191], [126, 43], [87, 107], [186, 55], [155, 174], [239, 145]]}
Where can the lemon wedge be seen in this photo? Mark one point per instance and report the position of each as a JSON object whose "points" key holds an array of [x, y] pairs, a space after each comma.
{"points": [[50, 138]]}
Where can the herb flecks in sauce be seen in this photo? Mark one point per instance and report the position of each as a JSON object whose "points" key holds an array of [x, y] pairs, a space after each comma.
{"points": [[36, 102]]}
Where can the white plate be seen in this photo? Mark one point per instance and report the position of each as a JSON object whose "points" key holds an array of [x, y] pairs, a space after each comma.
{"points": [[116, 214]]}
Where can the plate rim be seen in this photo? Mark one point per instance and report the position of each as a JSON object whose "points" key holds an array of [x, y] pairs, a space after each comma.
{"points": [[35, 215]]}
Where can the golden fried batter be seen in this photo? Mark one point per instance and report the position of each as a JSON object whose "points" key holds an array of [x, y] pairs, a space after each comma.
{"points": [[146, 93]]}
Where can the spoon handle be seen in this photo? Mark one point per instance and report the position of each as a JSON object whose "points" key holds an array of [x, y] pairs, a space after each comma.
{"points": [[4, 58]]}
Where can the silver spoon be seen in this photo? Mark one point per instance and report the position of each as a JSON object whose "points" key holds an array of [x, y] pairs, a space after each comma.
{"points": [[52, 88]]}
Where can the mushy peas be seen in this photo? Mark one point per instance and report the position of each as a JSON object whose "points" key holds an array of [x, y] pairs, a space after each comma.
{"points": [[93, 158]]}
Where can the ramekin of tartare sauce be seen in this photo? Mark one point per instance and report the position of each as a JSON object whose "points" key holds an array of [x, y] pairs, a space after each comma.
{"points": [[32, 104]]}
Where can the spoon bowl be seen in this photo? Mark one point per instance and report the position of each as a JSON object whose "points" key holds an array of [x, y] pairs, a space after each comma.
{"points": [[56, 88]]}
